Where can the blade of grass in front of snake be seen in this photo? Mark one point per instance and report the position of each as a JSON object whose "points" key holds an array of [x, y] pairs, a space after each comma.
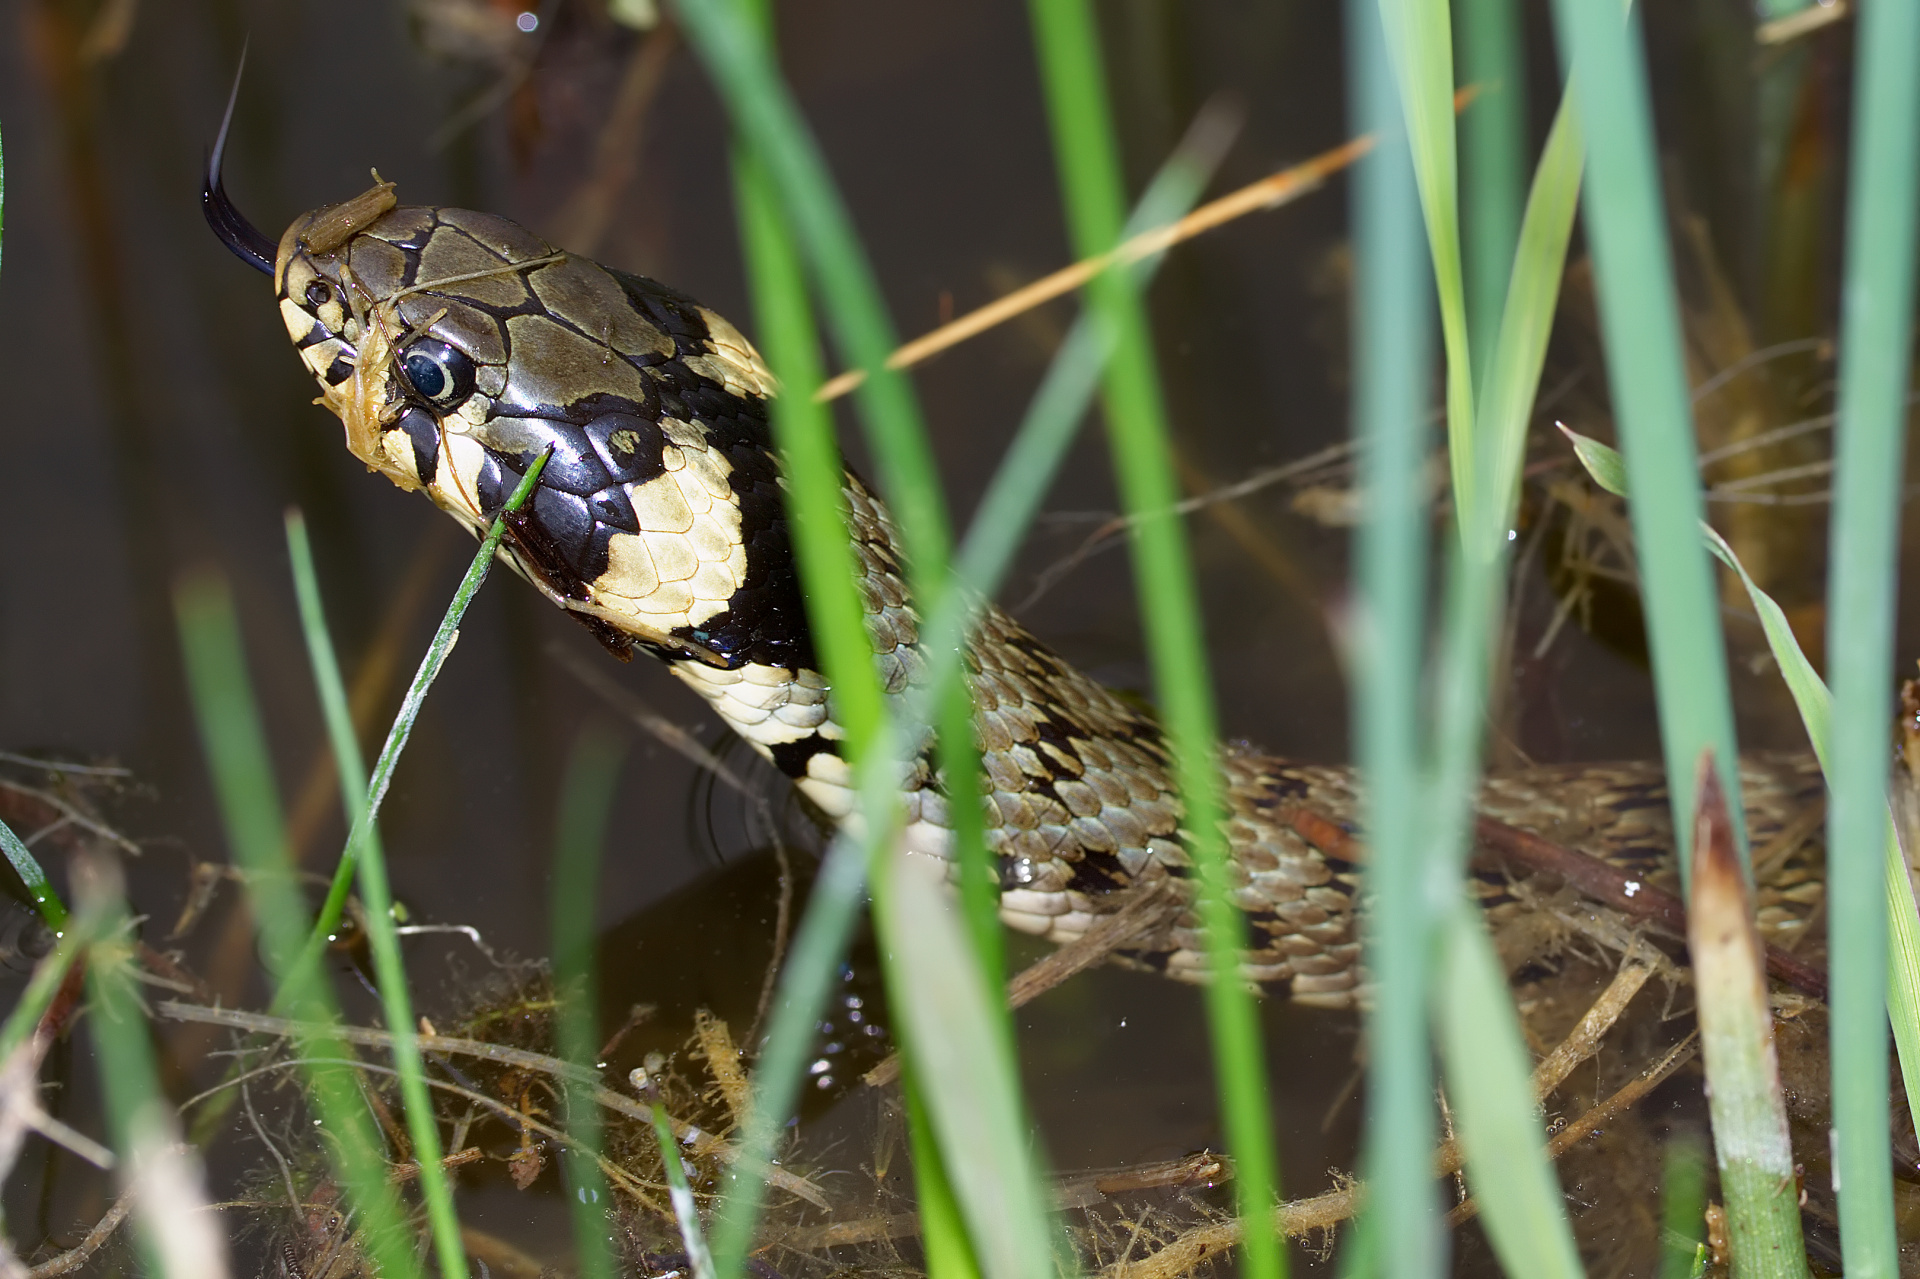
{"points": [[1391, 341], [33, 877], [804, 434], [1502, 1141], [1493, 161], [983, 1077], [390, 973], [766, 118], [1027, 469], [1018, 486], [350, 766], [1419, 35], [685, 1212], [1086, 160], [1626, 231], [1815, 704], [1525, 1226], [241, 768], [1008, 1226], [586, 798], [1876, 335], [176, 1238]]}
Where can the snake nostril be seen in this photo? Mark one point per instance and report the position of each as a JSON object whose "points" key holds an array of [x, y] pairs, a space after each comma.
{"points": [[318, 293]]}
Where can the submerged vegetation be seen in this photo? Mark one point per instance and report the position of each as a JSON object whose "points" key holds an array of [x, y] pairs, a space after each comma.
{"points": [[1524, 999]]}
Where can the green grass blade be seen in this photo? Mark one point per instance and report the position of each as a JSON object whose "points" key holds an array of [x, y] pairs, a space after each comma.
{"points": [[350, 766], [785, 163], [364, 857], [1815, 704], [1683, 1205], [1504, 1143], [443, 641], [1086, 157], [803, 432], [1525, 1216], [764, 114], [44, 984], [1021, 481], [983, 1140], [1526, 322], [586, 799], [1420, 42], [1640, 321], [1493, 164], [1876, 335], [1392, 348], [1903, 968], [239, 761], [140, 1123], [46, 899], [685, 1213], [741, 63], [943, 1232]]}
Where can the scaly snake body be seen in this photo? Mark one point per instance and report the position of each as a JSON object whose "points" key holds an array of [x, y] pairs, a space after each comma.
{"points": [[456, 347]]}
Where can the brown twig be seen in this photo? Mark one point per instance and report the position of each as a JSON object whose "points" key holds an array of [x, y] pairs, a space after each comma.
{"points": [[411, 1169], [1606, 883], [1619, 1103], [78, 1255]]}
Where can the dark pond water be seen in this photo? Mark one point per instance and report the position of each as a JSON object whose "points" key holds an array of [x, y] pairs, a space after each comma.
{"points": [[156, 423]]}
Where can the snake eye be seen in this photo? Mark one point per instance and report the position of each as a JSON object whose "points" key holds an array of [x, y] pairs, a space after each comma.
{"points": [[318, 293], [441, 374]]}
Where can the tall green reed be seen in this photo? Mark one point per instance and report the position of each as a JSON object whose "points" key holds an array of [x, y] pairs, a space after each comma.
{"points": [[1392, 348], [238, 758], [1422, 772], [787, 338], [957, 1051], [1876, 334], [1640, 323], [1087, 159], [580, 828]]}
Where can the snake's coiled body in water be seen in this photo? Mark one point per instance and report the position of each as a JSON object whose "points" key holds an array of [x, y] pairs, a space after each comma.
{"points": [[456, 347]]}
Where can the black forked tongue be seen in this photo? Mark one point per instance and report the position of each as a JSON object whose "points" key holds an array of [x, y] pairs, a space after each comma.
{"points": [[231, 225]]}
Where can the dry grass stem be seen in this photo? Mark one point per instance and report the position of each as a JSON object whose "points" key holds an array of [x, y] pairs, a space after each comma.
{"points": [[1619, 1103], [81, 1253], [1268, 193]]}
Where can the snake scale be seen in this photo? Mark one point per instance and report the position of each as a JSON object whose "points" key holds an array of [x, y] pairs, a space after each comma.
{"points": [[456, 347]]}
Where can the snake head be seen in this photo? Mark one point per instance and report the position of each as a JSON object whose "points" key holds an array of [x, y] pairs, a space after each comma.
{"points": [[456, 347]]}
